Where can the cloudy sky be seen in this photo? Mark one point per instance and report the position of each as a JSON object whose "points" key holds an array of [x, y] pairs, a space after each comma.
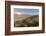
{"points": [[26, 11]]}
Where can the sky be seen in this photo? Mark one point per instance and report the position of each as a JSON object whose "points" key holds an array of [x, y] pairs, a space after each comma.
{"points": [[27, 11]]}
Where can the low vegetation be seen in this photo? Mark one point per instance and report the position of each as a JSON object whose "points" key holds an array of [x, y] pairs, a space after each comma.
{"points": [[31, 21]]}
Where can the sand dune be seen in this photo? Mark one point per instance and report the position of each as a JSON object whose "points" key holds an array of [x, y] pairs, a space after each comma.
{"points": [[20, 17]]}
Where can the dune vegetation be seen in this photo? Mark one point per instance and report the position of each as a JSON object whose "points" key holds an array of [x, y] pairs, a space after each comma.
{"points": [[31, 21]]}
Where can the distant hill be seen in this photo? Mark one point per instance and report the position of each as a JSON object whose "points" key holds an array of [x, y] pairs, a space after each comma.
{"points": [[29, 21]]}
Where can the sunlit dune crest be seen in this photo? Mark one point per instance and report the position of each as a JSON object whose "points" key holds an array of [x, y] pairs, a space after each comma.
{"points": [[18, 14]]}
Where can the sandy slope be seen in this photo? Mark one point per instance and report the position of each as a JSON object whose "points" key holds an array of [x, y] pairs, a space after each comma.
{"points": [[20, 17]]}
